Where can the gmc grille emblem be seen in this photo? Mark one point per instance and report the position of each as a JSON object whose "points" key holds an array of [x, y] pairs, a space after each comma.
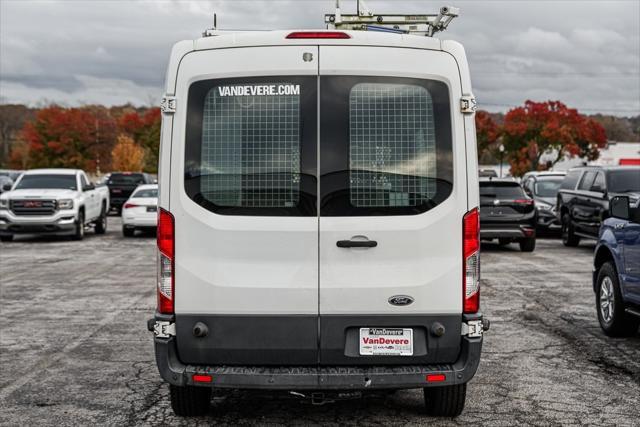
{"points": [[32, 204]]}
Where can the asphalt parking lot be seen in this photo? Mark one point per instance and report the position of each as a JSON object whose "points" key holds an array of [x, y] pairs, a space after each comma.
{"points": [[75, 349]]}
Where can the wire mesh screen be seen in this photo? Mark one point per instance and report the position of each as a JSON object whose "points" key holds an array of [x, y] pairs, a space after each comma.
{"points": [[251, 146], [392, 154]]}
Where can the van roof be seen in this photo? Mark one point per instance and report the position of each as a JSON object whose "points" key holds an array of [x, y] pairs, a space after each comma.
{"points": [[224, 39]]}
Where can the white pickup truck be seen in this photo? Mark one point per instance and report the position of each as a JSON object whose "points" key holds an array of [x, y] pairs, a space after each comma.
{"points": [[53, 201]]}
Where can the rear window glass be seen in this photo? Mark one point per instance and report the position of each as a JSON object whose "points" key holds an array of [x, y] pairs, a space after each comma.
{"points": [[391, 145], [586, 181], [245, 139], [386, 145], [624, 181], [501, 191], [571, 180], [126, 179], [146, 192]]}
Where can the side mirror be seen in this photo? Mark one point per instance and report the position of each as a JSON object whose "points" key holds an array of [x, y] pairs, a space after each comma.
{"points": [[7, 187], [88, 187], [619, 207]]}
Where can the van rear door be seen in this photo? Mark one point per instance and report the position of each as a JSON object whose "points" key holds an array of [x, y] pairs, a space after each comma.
{"points": [[243, 194], [393, 193]]}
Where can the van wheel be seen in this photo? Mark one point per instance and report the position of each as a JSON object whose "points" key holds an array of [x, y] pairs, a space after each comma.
{"points": [[79, 232], [445, 401], [613, 320], [528, 244], [101, 222], [189, 401], [6, 238], [128, 232], [568, 235]]}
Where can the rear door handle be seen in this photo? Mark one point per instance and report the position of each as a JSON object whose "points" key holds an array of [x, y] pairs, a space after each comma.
{"points": [[356, 243]]}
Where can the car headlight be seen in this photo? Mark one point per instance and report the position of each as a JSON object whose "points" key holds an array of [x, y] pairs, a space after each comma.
{"points": [[65, 204], [4, 203], [543, 207]]}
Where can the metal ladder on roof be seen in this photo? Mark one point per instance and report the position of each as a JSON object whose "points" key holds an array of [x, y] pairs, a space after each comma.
{"points": [[365, 20]]}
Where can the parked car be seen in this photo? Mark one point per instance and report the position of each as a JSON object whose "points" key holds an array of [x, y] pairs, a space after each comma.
{"points": [[616, 273], [122, 184], [53, 201], [140, 212], [543, 189], [5, 183], [11, 173], [583, 198], [507, 213], [318, 240]]}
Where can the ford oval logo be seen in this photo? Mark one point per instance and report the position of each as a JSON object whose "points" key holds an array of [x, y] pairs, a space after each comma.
{"points": [[400, 300]]}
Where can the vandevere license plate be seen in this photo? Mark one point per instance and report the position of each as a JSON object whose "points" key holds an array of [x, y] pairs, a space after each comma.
{"points": [[386, 342]]}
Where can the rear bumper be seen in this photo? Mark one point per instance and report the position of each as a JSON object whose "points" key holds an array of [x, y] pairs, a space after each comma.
{"points": [[352, 377]]}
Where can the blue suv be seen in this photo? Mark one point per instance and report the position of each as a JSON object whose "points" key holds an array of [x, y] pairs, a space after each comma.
{"points": [[616, 273]]}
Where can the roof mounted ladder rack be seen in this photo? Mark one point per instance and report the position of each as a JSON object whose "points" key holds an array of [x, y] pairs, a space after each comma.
{"points": [[365, 20]]}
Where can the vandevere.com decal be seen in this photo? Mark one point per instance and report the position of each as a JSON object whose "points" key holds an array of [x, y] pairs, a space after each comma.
{"points": [[259, 90]]}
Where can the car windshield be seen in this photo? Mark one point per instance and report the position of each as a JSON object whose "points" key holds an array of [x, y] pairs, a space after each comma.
{"points": [[624, 181], [548, 187], [126, 179], [497, 191], [146, 192], [45, 181]]}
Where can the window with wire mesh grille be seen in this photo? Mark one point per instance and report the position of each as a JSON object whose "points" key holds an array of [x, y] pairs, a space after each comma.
{"points": [[251, 149], [392, 145]]}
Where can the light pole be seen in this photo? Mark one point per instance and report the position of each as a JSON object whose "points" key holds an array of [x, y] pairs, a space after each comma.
{"points": [[501, 150]]}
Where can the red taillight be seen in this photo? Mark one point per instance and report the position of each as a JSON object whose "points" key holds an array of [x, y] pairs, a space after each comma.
{"points": [[201, 378], [318, 35], [436, 378], [130, 205], [166, 245], [523, 201], [471, 262]]}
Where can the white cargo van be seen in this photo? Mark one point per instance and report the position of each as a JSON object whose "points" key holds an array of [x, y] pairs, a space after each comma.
{"points": [[318, 221]]}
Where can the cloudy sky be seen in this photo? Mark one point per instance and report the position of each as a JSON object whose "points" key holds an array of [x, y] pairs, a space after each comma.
{"points": [[584, 53]]}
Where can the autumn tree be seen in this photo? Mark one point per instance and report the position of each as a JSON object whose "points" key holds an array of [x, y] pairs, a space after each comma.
{"points": [[487, 134], [67, 137], [127, 155], [12, 119], [548, 128], [145, 130]]}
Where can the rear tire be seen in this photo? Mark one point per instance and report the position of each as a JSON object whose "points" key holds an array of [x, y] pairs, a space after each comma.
{"points": [[128, 232], [528, 244], [504, 242], [447, 401], [568, 234], [189, 401], [79, 232], [6, 238], [101, 222], [613, 320]]}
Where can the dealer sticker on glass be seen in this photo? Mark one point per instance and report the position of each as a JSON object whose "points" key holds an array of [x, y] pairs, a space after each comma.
{"points": [[386, 342]]}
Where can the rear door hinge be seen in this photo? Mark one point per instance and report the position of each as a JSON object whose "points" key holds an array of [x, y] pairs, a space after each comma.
{"points": [[164, 329], [468, 104], [168, 104]]}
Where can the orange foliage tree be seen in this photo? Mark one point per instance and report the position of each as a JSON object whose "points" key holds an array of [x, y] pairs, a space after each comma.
{"points": [[127, 155], [67, 137], [487, 134], [145, 130], [550, 128]]}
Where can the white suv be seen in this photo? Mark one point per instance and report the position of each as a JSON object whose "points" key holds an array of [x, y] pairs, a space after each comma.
{"points": [[318, 221]]}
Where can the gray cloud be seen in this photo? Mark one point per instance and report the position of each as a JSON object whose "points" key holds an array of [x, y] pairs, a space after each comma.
{"points": [[584, 53]]}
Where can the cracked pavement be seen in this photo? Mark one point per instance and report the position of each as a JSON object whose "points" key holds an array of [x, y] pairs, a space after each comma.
{"points": [[75, 349]]}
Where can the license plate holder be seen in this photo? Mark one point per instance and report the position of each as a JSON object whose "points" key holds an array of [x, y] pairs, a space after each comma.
{"points": [[386, 342], [152, 209]]}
